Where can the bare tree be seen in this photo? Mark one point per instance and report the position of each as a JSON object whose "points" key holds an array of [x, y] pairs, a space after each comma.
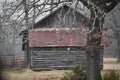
{"points": [[98, 8]]}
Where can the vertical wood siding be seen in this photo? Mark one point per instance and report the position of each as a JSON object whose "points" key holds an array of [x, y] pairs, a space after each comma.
{"points": [[53, 21]]}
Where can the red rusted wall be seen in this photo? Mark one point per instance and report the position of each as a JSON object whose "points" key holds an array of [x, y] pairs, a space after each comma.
{"points": [[47, 38], [61, 37]]}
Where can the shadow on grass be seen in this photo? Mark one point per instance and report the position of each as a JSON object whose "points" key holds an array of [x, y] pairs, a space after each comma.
{"points": [[1, 69]]}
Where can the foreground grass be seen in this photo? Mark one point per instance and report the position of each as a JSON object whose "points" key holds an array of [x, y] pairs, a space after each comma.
{"points": [[27, 74], [111, 75]]}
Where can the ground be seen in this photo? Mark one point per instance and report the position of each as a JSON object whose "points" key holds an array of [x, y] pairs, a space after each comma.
{"points": [[111, 64], [28, 74]]}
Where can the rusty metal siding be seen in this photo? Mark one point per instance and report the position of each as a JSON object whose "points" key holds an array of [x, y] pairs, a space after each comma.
{"points": [[53, 37], [59, 58], [60, 37]]}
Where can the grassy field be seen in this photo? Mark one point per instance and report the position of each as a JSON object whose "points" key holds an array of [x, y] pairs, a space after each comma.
{"points": [[27, 74], [111, 64]]}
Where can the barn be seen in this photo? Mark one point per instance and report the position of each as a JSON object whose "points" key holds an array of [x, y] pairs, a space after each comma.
{"points": [[55, 42]]}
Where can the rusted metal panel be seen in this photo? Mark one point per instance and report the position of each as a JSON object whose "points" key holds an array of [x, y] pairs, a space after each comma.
{"points": [[60, 37], [53, 37]]}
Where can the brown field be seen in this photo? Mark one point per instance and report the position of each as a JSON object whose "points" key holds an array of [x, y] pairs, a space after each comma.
{"points": [[111, 64], [27, 74]]}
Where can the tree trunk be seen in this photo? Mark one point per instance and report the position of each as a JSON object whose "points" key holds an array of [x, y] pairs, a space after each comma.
{"points": [[93, 45], [25, 3], [118, 41], [51, 6], [93, 58]]}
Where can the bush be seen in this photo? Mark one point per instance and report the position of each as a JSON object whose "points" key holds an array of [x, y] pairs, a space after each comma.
{"points": [[112, 75], [78, 73]]}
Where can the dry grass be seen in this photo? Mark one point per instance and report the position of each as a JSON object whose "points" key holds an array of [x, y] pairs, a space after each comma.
{"points": [[28, 74], [111, 64], [109, 60], [111, 75]]}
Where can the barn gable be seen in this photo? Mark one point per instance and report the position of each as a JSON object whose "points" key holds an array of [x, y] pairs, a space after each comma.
{"points": [[63, 17]]}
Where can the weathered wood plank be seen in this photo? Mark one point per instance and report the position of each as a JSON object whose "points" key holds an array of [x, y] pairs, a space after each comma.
{"points": [[57, 59]]}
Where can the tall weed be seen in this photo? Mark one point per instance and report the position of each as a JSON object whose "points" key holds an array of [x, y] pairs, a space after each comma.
{"points": [[111, 75], [78, 73]]}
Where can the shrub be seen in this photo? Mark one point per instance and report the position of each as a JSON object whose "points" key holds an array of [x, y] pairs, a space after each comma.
{"points": [[112, 75], [78, 73]]}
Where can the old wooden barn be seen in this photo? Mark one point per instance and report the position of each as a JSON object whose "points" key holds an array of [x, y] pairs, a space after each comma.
{"points": [[55, 42]]}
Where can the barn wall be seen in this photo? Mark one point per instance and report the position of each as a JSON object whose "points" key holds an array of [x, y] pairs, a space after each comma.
{"points": [[59, 57]]}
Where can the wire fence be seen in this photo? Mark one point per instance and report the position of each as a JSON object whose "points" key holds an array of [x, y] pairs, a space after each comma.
{"points": [[12, 61]]}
